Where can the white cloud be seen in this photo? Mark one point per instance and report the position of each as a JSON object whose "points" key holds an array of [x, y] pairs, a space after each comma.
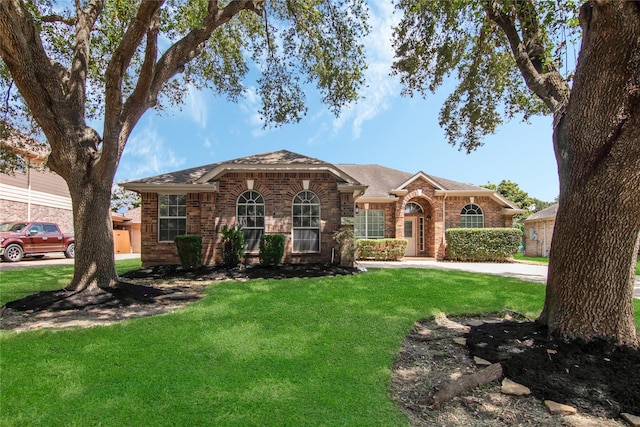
{"points": [[380, 86], [196, 107], [250, 105], [147, 153]]}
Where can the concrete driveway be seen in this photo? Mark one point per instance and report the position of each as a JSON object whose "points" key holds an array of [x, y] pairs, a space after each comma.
{"points": [[530, 272], [49, 260]]}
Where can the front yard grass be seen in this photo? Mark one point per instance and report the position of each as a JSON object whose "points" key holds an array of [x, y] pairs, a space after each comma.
{"points": [[312, 352]]}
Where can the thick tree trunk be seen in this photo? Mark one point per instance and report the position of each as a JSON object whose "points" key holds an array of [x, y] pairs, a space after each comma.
{"points": [[595, 240], [94, 256]]}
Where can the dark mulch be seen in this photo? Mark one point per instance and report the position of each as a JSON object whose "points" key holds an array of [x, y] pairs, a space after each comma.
{"points": [[597, 378], [215, 272], [125, 293]]}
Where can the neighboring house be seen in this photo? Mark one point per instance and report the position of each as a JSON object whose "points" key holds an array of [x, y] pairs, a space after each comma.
{"points": [[126, 231], [33, 192], [308, 200], [538, 230]]}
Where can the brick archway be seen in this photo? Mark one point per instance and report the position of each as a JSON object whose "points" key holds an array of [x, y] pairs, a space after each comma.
{"points": [[422, 225]]}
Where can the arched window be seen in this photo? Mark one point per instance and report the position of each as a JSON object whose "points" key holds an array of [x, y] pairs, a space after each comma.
{"points": [[250, 210], [471, 216], [306, 222], [413, 208]]}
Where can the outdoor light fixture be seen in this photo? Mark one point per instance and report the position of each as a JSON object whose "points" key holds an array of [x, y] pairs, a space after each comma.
{"points": [[357, 210]]}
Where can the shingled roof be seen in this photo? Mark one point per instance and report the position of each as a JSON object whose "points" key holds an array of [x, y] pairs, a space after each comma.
{"points": [[546, 213], [382, 180], [377, 181]]}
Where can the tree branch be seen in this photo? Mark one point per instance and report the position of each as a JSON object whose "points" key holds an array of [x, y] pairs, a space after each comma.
{"points": [[122, 56], [550, 87], [37, 78], [77, 84], [184, 50], [59, 18], [136, 104]]}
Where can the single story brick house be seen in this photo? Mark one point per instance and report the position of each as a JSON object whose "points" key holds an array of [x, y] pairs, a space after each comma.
{"points": [[538, 231], [308, 200]]}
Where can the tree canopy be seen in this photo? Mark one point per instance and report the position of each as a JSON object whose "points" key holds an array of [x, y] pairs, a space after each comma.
{"points": [[474, 42], [108, 54]]}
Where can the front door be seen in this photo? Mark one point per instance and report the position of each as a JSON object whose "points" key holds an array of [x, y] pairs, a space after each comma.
{"points": [[410, 235]]}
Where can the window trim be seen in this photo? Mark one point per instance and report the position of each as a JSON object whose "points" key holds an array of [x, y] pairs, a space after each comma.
{"points": [[367, 218], [244, 227], [418, 212], [294, 227], [167, 217], [464, 215]]}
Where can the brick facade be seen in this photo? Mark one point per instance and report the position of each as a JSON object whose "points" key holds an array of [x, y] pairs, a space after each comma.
{"points": [[207, 213], [212, 193], [435, 208]]}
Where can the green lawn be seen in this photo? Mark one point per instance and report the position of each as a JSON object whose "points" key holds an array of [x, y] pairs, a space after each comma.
{"points": [[520, 257], [312, 352], [15, 284]]}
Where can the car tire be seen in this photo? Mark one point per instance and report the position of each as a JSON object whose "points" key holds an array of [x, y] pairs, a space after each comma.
{"points": [[13, 253], [71, 250]]}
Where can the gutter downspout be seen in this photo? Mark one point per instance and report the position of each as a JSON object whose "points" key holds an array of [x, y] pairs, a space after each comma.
{"points": [[444, 220], [29, 190]]}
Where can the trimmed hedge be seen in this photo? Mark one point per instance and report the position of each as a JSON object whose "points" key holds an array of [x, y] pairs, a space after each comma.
{"points": [[271, 249], [482, 244], [189, 250], [381, 249]]}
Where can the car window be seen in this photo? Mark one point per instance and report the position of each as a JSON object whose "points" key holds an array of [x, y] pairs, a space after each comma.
{"points": [[50, 228], [36, 227]]}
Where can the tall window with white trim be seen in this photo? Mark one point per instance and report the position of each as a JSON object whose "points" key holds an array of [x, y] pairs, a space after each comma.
{"points": [[172, 216], [306, 222], [250, 210]]}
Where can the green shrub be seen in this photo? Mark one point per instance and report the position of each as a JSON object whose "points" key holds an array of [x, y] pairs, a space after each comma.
{"points": [[381, 249], [482, 244], [271, 249], [189, 250], [232, 245]]}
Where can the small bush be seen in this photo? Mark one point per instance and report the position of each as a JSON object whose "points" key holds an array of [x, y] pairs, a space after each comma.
{"points": [[381, 249], [482, 244], [232, 245], [189, 250], [271, 249]]}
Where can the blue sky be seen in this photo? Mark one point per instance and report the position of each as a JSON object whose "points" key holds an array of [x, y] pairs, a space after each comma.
{"points": [[384, 128]]}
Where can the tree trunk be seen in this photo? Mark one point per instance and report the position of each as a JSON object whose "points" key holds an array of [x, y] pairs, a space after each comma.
{"points": [[94, 257], [595, 240]]}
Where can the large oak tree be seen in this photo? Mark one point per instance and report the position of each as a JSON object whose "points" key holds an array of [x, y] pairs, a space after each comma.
{"points": [[110, 61], [508, 58]]}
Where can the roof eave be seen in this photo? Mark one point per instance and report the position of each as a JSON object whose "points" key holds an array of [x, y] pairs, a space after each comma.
{"points": [[423, 175], [226, 167], [210, 187], [378, 199]]}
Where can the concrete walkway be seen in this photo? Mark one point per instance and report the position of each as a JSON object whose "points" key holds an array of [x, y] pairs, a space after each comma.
{"points": [[530, 272]]}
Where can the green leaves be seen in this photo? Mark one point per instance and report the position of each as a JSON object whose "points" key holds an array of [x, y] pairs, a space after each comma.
{"points": [[292, 44], [438, 39]]}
